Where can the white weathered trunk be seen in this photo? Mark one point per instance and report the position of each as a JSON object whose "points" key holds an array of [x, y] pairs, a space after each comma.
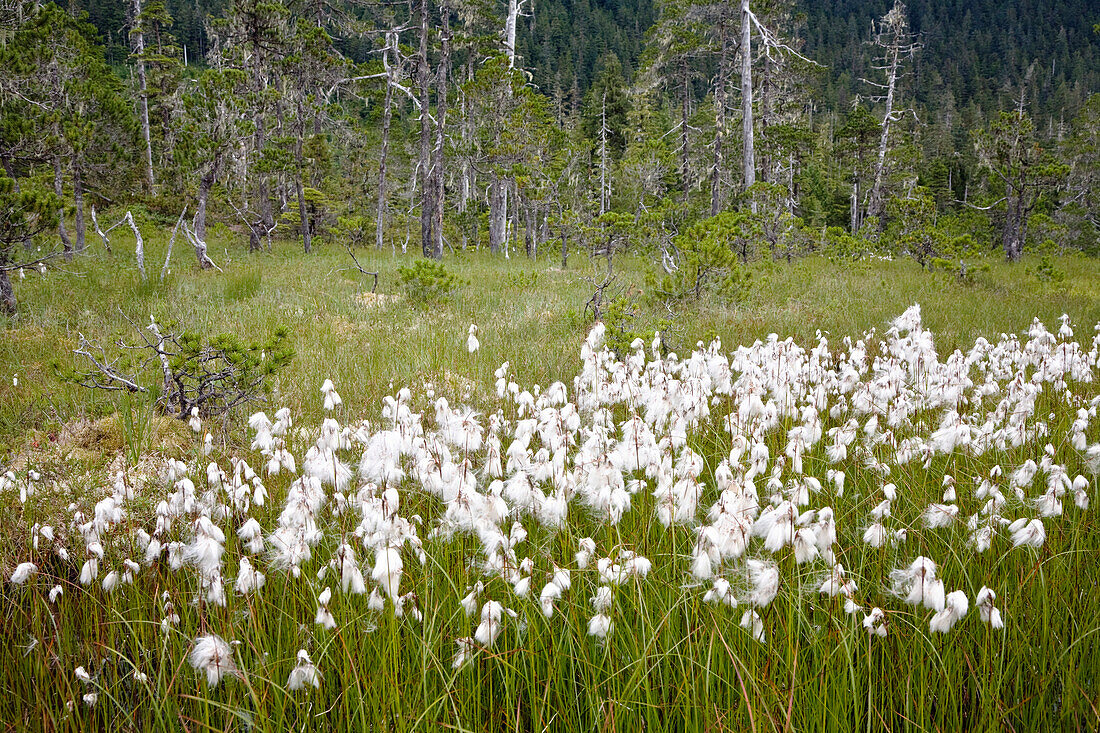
{"points": [[427, 189], [510, 32], [139, 53], [387, 117], [720, 90], [874, 204], [498, 212], [139, 246], [605, 194], [748, 158], [171, 241]]}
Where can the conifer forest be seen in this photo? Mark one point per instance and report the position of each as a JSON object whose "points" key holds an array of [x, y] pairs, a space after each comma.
{"points": [[580, 365]]}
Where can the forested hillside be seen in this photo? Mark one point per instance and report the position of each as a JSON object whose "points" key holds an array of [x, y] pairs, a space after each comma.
{"points": [[705, 136]]}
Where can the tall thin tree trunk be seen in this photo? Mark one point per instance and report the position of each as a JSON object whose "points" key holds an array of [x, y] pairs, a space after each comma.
{"points": [[205, 183], [855, 205], [139, 53], [299, 171], [604, 194], [498, 212], [767, 105], [427, 189], [748, 158], [721, 84], [1012, 238], [8, 303], [443, 74], [685, 102], [261, 190], [66, 243], [874, 203], [529, 232], [78, 205], [510, 33], [387, 117]]}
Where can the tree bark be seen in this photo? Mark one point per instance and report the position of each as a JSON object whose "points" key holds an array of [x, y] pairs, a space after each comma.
{"points": [[139, 53], [427, 210], [78, 204], [66, 243], [748, 158], [510, 33], [205, 183], [721, 84], [443, 74], [261, 190], [767, 110], [1012, 237], [498, 212], [604, 194], [387, 117], [685, 102], [874, 202], [299, 188], [7, 295]]}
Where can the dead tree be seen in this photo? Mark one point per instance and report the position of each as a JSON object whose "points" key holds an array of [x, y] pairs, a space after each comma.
{"points": [[892, 36], [137, 36]]}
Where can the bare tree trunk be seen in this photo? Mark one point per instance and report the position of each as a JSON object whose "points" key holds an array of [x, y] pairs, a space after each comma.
{"points": [[748, 159], [139, 245], [171, 241], [564, 248], [498, 212], [510, 33], [529, 232], [205, 183], [66, 243], [78, 205], [767, 104], [1012, 237], [874, 203], [8, 303], [855, 205], [604, 193], [685, 102], [721, 84], [139, 53], [427, 210], [299, 188], [261, 190], [439, 155], [387, 117]]}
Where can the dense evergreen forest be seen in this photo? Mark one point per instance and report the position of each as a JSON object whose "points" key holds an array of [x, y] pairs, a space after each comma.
{"points": [[704, 135]]}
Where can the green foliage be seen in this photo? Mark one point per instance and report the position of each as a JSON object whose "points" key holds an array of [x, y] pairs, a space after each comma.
{"points": [[707, 264], [840, 246], [618, 318], [427, 282], [1047, 273], [966, 273], [915, 231], [23, 215], [217, 374], [521, 280], [353, 231]]}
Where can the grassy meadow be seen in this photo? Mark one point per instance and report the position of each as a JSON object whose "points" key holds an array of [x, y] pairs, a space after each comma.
{"points": [[673, 661]]}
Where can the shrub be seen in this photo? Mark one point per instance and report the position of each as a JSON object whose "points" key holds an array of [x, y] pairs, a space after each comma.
{"points": [[426, 282]]}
